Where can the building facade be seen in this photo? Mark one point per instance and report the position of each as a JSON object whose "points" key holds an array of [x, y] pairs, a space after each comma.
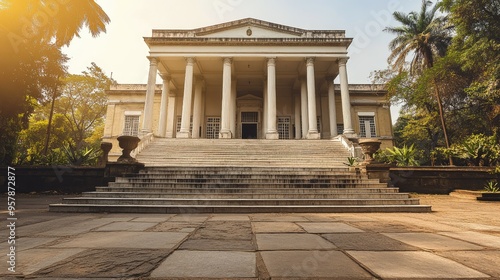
{"points": [[248, 79]]}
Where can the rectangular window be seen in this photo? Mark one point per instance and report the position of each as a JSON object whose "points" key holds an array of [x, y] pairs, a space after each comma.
{"points": [[367, 127], [131, 127], [213, 128], [340, 129], [284, 127], [249, 117]]}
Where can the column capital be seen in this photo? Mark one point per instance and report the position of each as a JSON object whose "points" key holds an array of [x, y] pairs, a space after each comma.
{"points": [[190, 60], [153, 61], [310, 60], [271, 60], [166, 77], [343, 61], [227, 60]]}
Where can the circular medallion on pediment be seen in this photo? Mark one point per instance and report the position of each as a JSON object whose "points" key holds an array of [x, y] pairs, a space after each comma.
{"points": [[249, 31]]}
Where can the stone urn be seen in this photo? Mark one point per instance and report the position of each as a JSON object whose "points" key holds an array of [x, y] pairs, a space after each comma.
{"points": [[369, 147], [106, 148], [128, 144]]}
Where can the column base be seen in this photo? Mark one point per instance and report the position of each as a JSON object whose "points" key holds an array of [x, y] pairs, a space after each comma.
{"points": [[225, 135], [313, 136], [183, 135], [272, 136], [350, 135]]}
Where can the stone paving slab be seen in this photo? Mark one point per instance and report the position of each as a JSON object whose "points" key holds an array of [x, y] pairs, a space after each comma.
{"points": [[483, 239], [40, 227], [484, 261], [26, 243], [367, 241], [328, 227], [277, 218], [218, 245], [138, 240], [292, 241], [230, 217], [190, 218], [30, 261], [224, 230], [386, 226], [78, 228], [213, 264], [414, 265], [154, 219], [432, 241], [270, 227], [174, 227], [312, 265], [126, 226], [115, 263]]}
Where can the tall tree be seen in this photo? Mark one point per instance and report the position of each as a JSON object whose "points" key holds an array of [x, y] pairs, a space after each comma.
{"points": [[427, 35], [31, 35]]}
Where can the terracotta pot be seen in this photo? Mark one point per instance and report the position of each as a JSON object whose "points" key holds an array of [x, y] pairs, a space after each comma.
{"points": [[128, 144], [369, 147]]}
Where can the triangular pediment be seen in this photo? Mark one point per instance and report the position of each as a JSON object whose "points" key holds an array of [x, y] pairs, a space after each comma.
{"points": [[249, 28], [249, 96]]}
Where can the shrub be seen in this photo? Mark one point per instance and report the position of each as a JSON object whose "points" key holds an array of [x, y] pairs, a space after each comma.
{"points": [[405, 156]]}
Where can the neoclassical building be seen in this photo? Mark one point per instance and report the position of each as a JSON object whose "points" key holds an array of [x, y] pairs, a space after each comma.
{"points": [[248, 79]]}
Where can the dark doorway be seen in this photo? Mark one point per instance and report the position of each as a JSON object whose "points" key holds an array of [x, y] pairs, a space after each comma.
{"points": [[249, 131]]}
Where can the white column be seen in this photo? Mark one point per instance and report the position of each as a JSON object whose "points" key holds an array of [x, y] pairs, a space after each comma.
{"points": [[232, 111], [311, 100], [171, 116], [346, 101], [272, 133], [297, 116], [162, 125], [225, 131], [147, 123], [187, 100], [304, 111], [332, 110], [264, 110], [198, 91]]}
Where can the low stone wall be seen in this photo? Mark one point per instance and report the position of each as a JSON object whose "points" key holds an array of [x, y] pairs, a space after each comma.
{"points": [[440, 180], [65, 179]]}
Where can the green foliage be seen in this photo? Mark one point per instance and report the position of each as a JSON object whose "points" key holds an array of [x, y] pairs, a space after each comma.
{"points": [[492, 187], [86, 156], [405, 156], [351, 161], [476, 150]]}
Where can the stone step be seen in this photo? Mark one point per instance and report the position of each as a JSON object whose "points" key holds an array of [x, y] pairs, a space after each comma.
{"points": [[245, 181], [203, 191], [237, 195], [243, 209], [247, 185], [239, 201], [248, 177]]}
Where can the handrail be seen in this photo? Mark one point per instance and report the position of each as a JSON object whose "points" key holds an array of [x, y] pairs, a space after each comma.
{"points": [[351, 147], [145, 141]]}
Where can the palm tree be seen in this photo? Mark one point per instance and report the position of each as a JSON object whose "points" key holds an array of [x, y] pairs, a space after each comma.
{"points": [[426, 35]]}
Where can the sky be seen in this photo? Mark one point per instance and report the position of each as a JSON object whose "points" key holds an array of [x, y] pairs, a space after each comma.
{"points": [[121, 51]]}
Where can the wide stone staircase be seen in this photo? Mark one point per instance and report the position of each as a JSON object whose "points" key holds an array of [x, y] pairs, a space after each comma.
{"points": [[243, 176]]}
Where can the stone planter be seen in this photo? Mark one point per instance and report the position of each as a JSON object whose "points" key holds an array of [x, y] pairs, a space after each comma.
{"points": [[369, 147], [489, 196], [105, 147], [128, 144]]}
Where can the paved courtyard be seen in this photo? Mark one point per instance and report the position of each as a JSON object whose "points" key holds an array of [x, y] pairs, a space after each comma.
{"points": [[459, 240]]}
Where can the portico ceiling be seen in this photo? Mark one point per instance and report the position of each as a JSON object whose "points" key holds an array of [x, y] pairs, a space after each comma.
{"points": [[250, 73]]}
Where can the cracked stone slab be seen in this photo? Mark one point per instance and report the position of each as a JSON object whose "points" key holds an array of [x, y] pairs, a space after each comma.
{"points": [[328, 227], [269, 227], [313, 265], [174, 227], [431, 241], [126, 226], [484, 261], [224, 230], [30, 261], [483, 239], [414, 265], [292, 241], [112, 263], [367, 241], [189, 218], [211, 264], [217, 245], [138, 240]]}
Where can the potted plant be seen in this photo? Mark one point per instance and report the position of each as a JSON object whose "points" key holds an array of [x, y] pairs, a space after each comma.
{"points": [[491, 192], [352, 163]]}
